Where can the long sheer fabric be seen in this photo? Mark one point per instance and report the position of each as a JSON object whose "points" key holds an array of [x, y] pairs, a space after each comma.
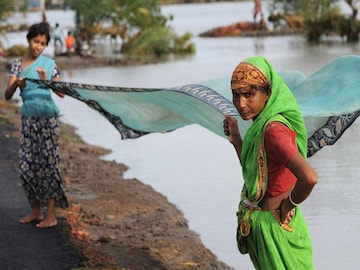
{"points": [[329, 100]]}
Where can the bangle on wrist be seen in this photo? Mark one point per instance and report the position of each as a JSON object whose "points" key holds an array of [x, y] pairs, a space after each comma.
{"points": [[292, 202]]}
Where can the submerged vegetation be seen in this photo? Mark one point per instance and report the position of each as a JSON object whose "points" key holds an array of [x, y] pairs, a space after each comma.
{"points": [[144, 31], [140, 25], [322, 17]]}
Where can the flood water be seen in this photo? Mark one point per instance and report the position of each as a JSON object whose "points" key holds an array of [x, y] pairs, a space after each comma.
{"points": [[199, 171]]}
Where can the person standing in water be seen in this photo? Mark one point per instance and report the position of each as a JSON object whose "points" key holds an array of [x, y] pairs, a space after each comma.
{"points": [[58, 39]]}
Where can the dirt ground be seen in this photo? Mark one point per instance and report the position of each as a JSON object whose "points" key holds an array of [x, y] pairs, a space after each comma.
{"points": [[118, 223]]}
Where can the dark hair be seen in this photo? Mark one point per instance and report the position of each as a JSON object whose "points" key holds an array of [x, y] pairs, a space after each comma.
{"points": [[265, 88], [42, 28]]}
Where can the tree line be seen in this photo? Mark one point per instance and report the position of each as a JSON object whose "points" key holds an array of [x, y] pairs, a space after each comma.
{"points": [[144, 30]]}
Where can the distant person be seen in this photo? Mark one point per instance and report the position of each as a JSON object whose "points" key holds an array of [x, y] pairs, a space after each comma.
{"points": [[43, 16], [257, 9], [85, 48], [2, 52], [70, 43], [58, 39], [38, 152]]}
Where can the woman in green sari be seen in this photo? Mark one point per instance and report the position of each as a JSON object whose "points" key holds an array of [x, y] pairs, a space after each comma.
{"points": [[277, 177]]}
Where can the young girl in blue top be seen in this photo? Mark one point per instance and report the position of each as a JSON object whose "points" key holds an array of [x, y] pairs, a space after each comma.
{"points": [[38, 153]]}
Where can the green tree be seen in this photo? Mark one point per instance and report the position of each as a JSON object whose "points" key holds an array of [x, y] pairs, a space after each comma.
{"points": [[354, 24], [323, 17], [6, 7], [319, 17], [140, 24]]}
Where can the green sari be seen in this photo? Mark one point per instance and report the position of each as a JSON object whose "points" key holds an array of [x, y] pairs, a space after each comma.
{"points": [[269, 245]]}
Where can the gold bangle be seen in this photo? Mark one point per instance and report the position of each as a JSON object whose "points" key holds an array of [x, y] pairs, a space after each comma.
{"points": [[292, 202]]}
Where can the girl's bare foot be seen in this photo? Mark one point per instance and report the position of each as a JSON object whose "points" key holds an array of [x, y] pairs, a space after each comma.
{"points": [[50, 220], [47, 223], [32, 217]]}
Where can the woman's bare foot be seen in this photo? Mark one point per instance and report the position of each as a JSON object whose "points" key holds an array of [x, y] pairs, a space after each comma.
{"points": [[47, 223], [32, 217]]}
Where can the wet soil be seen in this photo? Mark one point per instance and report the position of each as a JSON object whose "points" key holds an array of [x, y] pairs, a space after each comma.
{"points": [[117, 223]]}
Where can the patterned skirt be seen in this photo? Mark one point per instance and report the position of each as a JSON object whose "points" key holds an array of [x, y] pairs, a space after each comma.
{"points": [[39, 161]]}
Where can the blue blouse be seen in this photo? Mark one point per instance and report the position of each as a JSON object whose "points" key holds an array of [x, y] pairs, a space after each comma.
{"points": [[37, 100]]}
